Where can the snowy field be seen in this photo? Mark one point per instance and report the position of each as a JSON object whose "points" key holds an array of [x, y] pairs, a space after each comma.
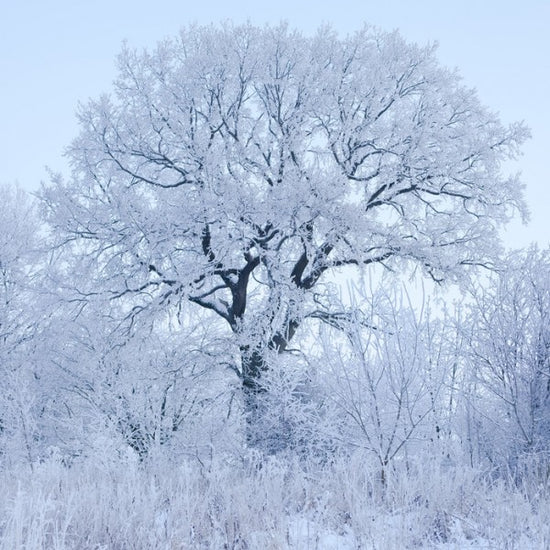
{"points": [[278, 505]]}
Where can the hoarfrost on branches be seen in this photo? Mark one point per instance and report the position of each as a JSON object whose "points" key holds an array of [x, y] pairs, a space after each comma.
{"points": [[236, 168]]}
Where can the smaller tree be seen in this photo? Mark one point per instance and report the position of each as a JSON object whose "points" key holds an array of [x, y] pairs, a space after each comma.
{"points": [[387, 370], [159, 384], [509, 356], [19, 322]]}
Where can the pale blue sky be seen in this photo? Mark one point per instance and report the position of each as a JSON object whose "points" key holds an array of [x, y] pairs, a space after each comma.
{"points": [[54, 53]]}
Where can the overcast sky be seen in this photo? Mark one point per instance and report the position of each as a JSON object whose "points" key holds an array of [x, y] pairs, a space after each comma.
{"points": [[55, 53]]}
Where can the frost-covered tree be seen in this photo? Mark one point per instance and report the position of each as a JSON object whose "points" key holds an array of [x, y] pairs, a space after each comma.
{"points": [[509, 358], [117, 394], [388, 369], [236, 168], [18, 322]]}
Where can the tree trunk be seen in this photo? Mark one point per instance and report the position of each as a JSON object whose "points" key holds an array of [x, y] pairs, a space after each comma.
{"points": [[267, 428], [252, 366], [265, 431]]}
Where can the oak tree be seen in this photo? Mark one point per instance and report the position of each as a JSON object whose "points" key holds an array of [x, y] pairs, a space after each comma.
{"points": [[237, 168]]}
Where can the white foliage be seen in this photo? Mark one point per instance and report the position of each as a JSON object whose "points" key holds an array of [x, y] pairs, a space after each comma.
{"points": [[234, 166]]}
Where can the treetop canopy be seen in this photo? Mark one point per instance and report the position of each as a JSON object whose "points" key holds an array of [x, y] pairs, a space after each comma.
{"points": [[235, 150]]}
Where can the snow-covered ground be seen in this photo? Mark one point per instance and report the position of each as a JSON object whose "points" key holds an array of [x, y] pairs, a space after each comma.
{"points": [[93, 505]]}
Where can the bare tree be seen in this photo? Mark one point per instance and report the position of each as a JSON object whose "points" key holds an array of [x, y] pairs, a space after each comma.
{"points": [[509, 358], [235, 168], [388, 369], [18, 322]]}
